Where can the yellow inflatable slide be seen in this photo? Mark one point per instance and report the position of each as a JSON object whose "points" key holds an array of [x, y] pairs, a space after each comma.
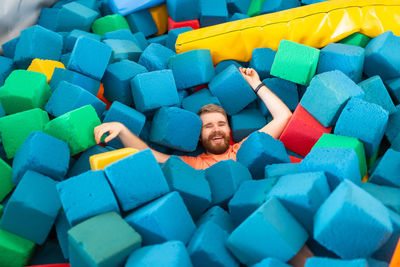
{"points": [[314, 25]]}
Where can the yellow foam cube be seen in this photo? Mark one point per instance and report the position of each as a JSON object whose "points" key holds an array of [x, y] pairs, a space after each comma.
{"points": [[160, 17], [45, 66], [102, 160]]}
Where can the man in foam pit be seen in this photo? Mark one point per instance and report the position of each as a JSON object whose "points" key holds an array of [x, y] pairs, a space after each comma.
{"points": [[215, 131]]}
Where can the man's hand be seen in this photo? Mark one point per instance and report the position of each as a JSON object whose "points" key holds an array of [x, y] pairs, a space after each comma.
{"points": [[113, 128], [251, 76]]}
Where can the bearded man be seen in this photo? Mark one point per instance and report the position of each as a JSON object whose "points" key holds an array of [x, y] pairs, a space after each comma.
{"points": [[215, 131]]}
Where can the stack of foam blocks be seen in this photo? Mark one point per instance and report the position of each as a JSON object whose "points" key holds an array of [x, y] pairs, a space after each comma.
{"points": [[325, 194]]}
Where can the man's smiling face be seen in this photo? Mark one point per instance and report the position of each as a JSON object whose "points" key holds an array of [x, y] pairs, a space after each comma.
{"points": [[215, 132]]}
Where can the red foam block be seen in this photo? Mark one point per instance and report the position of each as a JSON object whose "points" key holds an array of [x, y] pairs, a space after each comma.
{"points": [[302, 132], [194, 24]]}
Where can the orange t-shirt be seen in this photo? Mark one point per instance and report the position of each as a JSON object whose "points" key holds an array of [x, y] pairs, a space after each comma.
{"points": [[203, 161]]}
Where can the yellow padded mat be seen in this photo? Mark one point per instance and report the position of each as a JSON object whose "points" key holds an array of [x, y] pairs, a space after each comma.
{"points": [[314, 25]]}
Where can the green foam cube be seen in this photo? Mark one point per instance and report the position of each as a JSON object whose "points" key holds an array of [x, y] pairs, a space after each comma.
{"points": [[357, 39], [24, 90], [103, 240], [14, 250], [6, 184], [255, 7], [295, 62], [333, 140], [1, 210], [109, 23], [76, 128], [15, 128]]}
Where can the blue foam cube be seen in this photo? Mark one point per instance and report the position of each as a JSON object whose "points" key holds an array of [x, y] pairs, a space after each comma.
{"points": [[86, 195], [280, 169], [376, 92], [171, 254], [350, 211], [37, 42], [259, 150], [349, 59], [155, 57], [388, 195], [278, 5], [141, 40], [145, 85], [76, 16], [248, 197], [131, 118], [225, 178], [197, 100], [302, 194], [381, 58], [62, 226], [32, 208], [110, 248], [207, 247], [74, 35], [123, 49], [213, 12], [222, 65], [117, 78], [375, 263], [42, 153], [157, 221], [6, 66], [142, 21], [238, 16], [82, 164], [9, 47], [191, 7], [176, 128], [232, 90], [67, 97], [270, 231], [328, 262], [124, 7], [192, 68], [90, 57], [365, 121], [393, 86], [174, 33], [386, 171], [49, 18], [162, 40], [386, 251], [261, 61], [270, 262], [337, 163], [217, 216], [245, 122], [190, 183], [136, 179], [393, 125], [327, 95], [238, 6]]}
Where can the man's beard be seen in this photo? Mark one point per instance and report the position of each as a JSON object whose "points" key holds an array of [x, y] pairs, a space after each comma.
{"points": [[219, 148]]}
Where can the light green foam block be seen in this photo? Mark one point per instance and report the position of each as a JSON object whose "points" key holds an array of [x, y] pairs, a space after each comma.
{"points": [[103, 240], [295, 62], [255, 7], [15, 128], [6, 184], [357, 39], [109, 23], [76, 128], [24, 90], [333, 140], [15, 251]]}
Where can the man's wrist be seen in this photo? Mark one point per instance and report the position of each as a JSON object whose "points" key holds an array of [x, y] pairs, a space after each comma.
{"points": [[258, 87]]}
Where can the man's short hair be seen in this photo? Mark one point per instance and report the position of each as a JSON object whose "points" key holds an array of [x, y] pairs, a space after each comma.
{"points": [[210, 108]]}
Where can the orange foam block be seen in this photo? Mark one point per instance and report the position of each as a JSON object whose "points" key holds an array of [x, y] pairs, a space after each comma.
{"points": [[45, 66], [194, 24], [102, 160], [102, 98], [302, 132], [160, 17], [395, 262]]}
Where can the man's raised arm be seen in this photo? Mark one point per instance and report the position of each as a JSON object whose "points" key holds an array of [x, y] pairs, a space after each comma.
{"points": [[127, 138], [279, 111]]}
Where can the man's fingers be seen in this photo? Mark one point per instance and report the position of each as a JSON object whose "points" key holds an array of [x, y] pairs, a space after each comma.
{"points": [[110, 137]]}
